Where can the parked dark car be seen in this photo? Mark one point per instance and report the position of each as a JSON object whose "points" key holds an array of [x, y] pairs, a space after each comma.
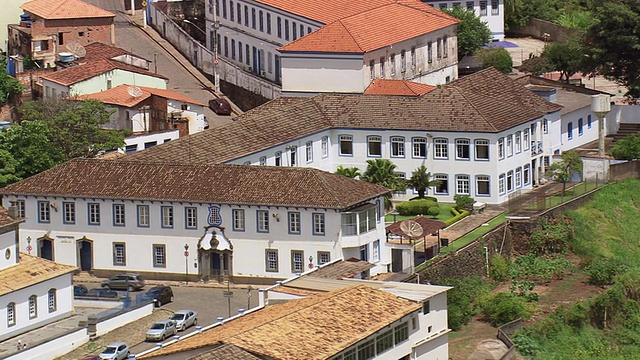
{"points": [[126, 281], [220, 106], [79, 290], [160, 294], [102, 293]]}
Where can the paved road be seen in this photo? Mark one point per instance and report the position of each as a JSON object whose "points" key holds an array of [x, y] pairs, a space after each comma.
{"points": [[135, 40], [208, 302]]}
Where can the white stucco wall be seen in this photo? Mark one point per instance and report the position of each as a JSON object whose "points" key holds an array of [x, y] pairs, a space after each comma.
{"points": [[314, 73], [494, 19], [100, 83], [8, 243]]}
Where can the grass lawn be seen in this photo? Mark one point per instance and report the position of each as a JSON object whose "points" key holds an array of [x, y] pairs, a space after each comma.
{"points": [[569, 194], [478, 232], [445, 214]]}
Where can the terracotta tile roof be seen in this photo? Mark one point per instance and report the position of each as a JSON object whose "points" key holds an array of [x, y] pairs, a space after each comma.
{"points": [[487, 101], [342, 269], [225, 352], [30, 271], [313, 328], [218, 184], [6, 219], [397, 87], [429, 226], [64, 9], [120, 96], [394, 22], [94, 68], [101, 51]]}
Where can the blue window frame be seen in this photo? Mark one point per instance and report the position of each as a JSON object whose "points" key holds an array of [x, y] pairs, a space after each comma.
{"points": [[294, 222], [166, 213], [238, 219], [419, 148], [570, 130], [346, 145], [93, 213], [463, 149], [580, 127], [118, 215], [374, 146], [440, 148], [397, 146], [69, 213], [482, 150], [483, 185], [501, 184], [262, 221], [318, 224], [191, 217], [44, 212], [443, 184], [143, 215]]}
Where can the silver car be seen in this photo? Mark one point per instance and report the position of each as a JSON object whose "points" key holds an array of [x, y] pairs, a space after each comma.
{"points": [[161, 330], [115, 351], [184, 319]]}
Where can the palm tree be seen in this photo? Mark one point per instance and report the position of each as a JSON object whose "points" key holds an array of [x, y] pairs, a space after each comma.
{"points": [[383, 172], [351, 172], [421, 180]]}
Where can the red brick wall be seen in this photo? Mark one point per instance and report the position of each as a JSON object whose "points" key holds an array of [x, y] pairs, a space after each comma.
{"points": [[84, 31]]}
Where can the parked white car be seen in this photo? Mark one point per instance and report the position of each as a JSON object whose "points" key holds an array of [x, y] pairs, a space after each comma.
{"points": [[161, 330], [115, 351], [184, 319]]}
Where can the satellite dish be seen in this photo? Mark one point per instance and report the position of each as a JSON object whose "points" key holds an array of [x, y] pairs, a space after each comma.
{"points": [[76, 49], [134, 91], [411, 228]]}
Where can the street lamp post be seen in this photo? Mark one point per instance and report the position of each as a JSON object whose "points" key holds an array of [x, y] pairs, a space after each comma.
{"points": [[186, 263]]}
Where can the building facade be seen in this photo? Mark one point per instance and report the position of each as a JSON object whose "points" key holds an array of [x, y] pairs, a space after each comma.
{"points": [[490, 11]]}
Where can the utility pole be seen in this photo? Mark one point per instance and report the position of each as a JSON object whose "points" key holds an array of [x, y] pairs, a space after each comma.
{"points": [[216, 26]]}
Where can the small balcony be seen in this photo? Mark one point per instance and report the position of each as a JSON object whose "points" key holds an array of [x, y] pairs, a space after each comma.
{"points": [[536, 148]]}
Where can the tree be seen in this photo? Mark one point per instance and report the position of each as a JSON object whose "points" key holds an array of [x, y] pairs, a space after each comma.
{"points": [[421, 180], [565, 57], [499, 58], [535, 65], [612, 45], [8, 166], [518, 12], [383, 172], [627, 148], [78, 125], [472, 32], [561, 171], [350, 172], [8, 85]]}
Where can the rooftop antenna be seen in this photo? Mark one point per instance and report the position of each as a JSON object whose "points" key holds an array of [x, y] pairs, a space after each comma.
{"points": [[134, 91], [76, 49]]}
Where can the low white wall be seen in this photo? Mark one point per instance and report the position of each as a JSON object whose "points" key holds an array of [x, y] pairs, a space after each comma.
{"points": [[105, 326], [54, 348]]}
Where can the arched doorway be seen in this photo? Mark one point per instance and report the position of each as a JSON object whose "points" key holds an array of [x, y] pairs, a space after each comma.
{"points": [[85, 254], [215, 255], [45, 248]]}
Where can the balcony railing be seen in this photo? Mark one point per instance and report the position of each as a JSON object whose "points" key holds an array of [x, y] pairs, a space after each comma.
{"points": [[536, 147]]}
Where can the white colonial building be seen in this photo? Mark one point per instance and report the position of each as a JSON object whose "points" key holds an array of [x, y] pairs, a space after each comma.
{"points": [[490, 11], [484, 135], [306, 47], [210, 221], [34, 291]]}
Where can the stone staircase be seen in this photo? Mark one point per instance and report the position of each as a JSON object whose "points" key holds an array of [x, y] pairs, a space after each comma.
{"points": [[625, 130]]}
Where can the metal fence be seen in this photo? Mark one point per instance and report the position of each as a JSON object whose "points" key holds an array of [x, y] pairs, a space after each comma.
{"points": [[550, 195]]}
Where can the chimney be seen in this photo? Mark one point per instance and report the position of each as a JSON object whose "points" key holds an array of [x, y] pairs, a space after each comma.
{"points": [[13, 210]]}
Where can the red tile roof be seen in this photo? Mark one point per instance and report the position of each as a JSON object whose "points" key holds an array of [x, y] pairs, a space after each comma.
{"points": [[397, 87], [120, 96], [394, 22], [427, 226], [218, 184], [91, 69], [29, 271], [64, 9], [99, 51]]}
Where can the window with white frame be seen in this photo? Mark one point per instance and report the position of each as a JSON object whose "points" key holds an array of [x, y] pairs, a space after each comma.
{"points": [[143, 215], [509, 145], [501, 148], [526, 174], [167, 216], [309, 151], [119, 254], [11, 314], [278, 158], [367, 349], [401, 333], [443, 184], [482, 149], [443, 6], [439, 48], [509, 181], [403, 61], [580, 127], [384, 341], [44, 212], [419, 147], [33, 307], [52, 300], [191, 217], [20, 204], [482, 185], [525, 139], [349, 224], [545, 126], [501, 185], [483, 8], [294, 222], [323, 257], [69, 209], [518, 177], [441, 148], [462, 149], [413, 57], [374, 146], [238, 219], [494, 7], [293, 155], [318, 224], [297, 261], [462, 184], [263, 160], [159, 255], [263, 221], [346, 145], [372, 69], [271, 260], [445, 47], [118, 214], [382, 60], [570, 130], [325, 146], [392, 64], [397, 146], [518, 142], [376, 250], [430, 52], [470, 5], [94, 213]]}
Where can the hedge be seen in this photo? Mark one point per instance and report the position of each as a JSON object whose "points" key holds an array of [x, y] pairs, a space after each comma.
{"points": [[461, 215], [415, 207]]}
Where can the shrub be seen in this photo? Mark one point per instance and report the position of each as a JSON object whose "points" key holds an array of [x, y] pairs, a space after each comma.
{"points": [[499, 268], [415, 207], [431, 198], [463, 202], [534, 268], [553, 238], [503, 307], [460, 298], [523, 289], [499, 58], [434, 211], [461, 215], [603, 271]]}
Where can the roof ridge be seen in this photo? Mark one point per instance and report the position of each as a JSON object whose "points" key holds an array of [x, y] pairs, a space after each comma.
{"points": [[350, 34]]}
